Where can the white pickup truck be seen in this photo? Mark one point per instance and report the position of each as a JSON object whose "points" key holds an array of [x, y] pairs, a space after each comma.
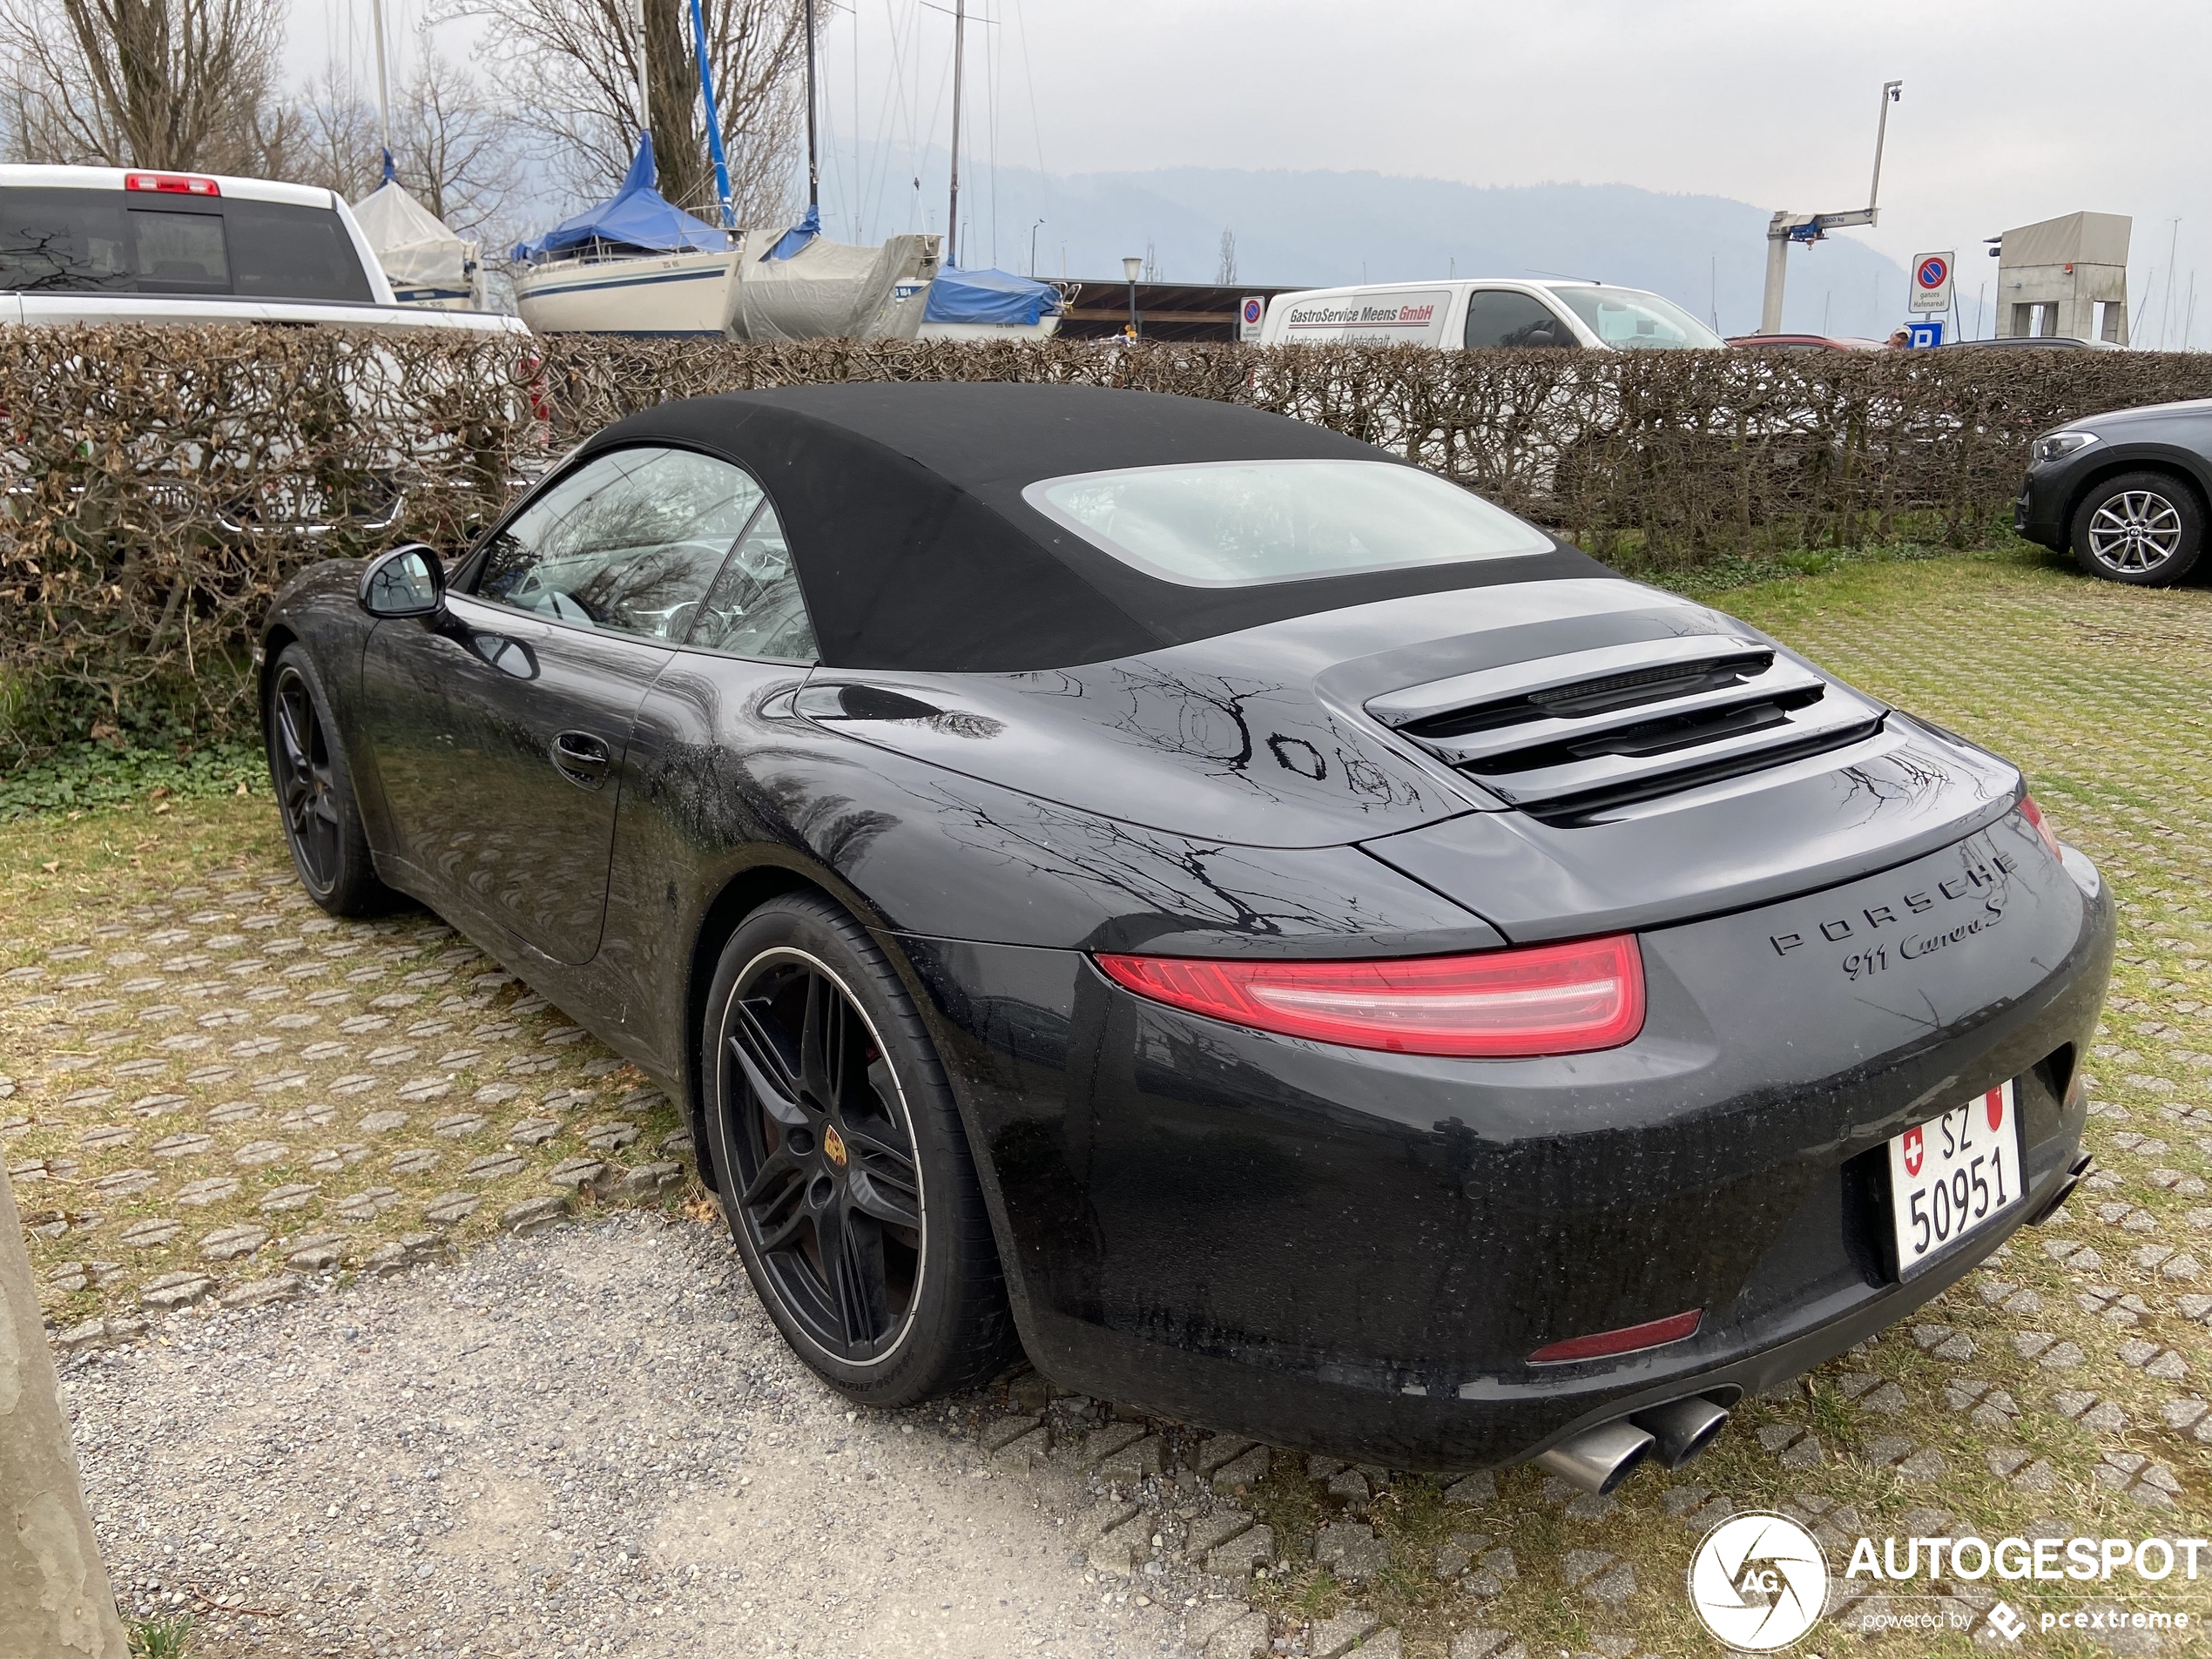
{"points": [[97, 245]]}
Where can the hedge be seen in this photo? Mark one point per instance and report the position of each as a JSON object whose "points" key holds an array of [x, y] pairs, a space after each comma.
{"points": [[161, 483]]}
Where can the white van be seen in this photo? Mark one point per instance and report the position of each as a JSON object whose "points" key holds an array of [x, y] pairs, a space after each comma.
{"points": [[1473, 311]]}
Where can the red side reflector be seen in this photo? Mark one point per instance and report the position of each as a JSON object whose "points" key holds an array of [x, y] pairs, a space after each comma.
{"points": [[1537, 1000], [172, 184], [2033, 815], [1628, 1339]]}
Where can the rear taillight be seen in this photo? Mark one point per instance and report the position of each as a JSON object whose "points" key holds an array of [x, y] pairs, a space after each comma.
{"points": [[1538, 999], [2033, 815], [172, 184]]}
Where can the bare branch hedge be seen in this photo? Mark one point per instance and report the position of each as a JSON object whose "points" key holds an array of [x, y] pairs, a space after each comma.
{"points": [[161, 483]]}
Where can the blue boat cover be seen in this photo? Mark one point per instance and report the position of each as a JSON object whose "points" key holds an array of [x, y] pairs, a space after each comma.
{"points": [[798, 236], [637, 217], [988, 296]]}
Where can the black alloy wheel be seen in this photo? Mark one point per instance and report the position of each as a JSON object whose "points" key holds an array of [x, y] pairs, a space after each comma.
{"points": [[315, 791], [831, 1190], [306, 790], [841, 1164], [2145, 529]]}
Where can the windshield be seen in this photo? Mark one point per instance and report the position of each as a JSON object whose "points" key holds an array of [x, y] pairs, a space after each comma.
{"points": [[1630, 319], [1236, 524]]}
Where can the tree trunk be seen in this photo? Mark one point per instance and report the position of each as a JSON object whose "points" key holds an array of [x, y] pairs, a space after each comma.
{"points": [[54, 1595], [679, 146]]}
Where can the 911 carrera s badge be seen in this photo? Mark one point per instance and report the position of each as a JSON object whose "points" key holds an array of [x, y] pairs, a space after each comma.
{"points": [[1914, 1151], [833, 1143]]}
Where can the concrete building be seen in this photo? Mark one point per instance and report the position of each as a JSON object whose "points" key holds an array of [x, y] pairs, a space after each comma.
{"points": [[2065, 277]]}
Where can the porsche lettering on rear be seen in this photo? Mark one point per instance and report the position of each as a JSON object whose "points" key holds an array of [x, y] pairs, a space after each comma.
{"points": [[1982, 877]]}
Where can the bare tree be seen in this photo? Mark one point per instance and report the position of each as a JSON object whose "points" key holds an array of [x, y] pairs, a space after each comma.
{"points": [[1227, 272], [327, 137], [451, 150], [451, 147], [173, 83], [571, 71]]}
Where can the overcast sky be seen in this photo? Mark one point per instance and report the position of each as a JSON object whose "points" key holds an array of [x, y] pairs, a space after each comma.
{"points": [[2012, 111]]}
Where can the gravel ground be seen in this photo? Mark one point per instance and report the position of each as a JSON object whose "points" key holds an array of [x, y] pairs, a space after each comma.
{"points": [[590, 1441]]}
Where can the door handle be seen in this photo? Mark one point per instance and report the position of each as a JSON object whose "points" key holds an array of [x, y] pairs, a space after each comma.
{"points": [[582, 758]]}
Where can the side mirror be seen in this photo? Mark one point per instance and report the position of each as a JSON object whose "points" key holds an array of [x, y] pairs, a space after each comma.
{"points": [[408, 581]]}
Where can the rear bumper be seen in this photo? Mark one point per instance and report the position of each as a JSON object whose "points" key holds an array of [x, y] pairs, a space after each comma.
{"points": [[1354, 1252]]}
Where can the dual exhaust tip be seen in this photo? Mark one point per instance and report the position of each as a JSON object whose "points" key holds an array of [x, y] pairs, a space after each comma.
{"points": [[1600, 1459]]}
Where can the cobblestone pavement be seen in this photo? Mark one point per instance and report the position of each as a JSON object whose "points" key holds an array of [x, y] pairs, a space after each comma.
{"points": [[189, 1063]]}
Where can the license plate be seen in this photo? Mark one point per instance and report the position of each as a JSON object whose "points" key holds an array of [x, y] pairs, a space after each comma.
{"points": [[1954, 1175]]}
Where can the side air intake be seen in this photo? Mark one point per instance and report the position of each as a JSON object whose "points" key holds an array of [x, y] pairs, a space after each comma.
{"points": [[1567, 736]]}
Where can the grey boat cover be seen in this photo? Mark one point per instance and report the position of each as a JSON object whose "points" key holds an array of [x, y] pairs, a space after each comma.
{"points": [[830, 290]]}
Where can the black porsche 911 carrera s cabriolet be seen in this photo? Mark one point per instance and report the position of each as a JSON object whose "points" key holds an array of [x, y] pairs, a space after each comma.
{"points": [[1285, 942]]}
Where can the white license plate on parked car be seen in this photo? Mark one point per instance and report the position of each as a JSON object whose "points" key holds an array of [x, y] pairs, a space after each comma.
{"points": [[1954, 1175]]}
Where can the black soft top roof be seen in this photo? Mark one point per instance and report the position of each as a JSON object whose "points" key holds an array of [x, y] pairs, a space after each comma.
{"points": [[902, 503]]}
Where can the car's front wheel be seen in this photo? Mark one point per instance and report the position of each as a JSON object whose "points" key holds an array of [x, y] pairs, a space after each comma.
{"points": [[315, 791], [2141, 528], [842, 1165]]}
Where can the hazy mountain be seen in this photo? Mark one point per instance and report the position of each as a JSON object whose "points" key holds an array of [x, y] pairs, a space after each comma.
{"points": [[1705, 252]]}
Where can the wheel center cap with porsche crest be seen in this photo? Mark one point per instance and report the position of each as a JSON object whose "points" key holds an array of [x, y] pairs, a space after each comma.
{"points": [[833, 1143]]}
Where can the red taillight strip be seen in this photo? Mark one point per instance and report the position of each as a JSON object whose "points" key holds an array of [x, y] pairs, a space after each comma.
{"points": [[177, 183], [1534, 1000], [2033, 815], [1631, 1338]]}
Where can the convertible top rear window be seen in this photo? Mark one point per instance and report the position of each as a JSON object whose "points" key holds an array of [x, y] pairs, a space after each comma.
{"points": [[920, 540], [1233, 523]]}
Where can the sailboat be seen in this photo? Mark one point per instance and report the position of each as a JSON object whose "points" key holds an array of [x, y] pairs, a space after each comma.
{"points": [[634, 264], [425, 263], [798, 285], [990, 304], [801, 286]]}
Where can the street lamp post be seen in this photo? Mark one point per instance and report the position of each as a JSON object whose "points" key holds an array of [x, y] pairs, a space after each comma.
{"points": [[1132, 268], [1033, 251]]}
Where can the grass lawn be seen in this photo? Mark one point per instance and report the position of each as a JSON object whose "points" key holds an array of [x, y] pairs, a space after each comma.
{"points": [[213, 1088]]}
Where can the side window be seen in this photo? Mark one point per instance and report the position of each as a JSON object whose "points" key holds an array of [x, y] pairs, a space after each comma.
{"points": [[1496, 317], [755, 607], [629, 541]]}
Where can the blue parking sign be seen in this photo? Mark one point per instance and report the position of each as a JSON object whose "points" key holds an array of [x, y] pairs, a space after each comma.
{"points": [[1926, 334]]}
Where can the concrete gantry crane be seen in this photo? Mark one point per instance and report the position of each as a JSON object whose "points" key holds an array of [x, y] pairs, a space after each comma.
{"points": [[1786, 227]]}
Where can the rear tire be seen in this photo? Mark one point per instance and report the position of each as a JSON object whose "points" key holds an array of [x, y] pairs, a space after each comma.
{"points": [[844, 1171], [2145, 529], [315, 791]]}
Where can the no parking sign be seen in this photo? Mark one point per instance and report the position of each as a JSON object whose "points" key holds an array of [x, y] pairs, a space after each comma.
{"points": [[1932, 281], [1249, 315]]}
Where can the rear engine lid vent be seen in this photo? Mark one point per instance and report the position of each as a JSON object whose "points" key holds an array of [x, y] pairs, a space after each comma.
{"points": [[1567, 737]]}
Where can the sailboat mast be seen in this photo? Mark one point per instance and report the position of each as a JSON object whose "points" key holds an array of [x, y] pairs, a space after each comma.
{"points": [[960, 54], [814, 150], [713, 116], [645, 76], [383, 77]]}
